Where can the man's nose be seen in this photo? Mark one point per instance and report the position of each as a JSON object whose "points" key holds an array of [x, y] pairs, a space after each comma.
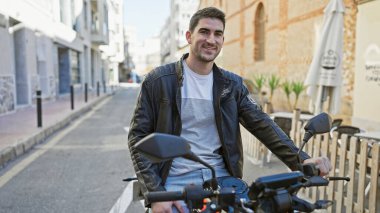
{"points": [[211, 39]]}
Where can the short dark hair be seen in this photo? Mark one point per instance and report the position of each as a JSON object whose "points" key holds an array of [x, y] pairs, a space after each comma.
{"points": [[208, 12]]}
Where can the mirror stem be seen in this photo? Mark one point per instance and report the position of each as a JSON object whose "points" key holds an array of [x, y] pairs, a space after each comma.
{"points": [[306, 138]]}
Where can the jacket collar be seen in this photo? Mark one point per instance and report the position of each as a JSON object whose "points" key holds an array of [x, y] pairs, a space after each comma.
{"points": [[219, 80], [218, 74], [179, 69]]}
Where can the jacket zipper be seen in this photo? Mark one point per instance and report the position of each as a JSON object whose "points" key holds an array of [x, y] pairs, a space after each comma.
{"points": [[221, 137], [177, 130]]}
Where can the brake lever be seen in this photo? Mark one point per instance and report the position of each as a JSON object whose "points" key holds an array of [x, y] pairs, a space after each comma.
{"points": [[302, 205], [316, 181], [339, 178], [323, 204], [130, 179]]}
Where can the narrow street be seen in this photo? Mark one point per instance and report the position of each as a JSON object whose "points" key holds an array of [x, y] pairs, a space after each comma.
{"points": [[71, 72]]}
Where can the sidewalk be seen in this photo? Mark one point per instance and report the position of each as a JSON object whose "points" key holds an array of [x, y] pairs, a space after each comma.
{"points": [[19, 131]]}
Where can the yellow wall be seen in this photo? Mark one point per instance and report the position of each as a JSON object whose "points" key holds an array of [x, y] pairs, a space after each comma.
{"points": [[367, 70]]}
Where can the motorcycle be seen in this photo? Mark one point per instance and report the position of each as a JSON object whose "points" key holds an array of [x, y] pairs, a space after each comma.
{"points": [[273, 193]]}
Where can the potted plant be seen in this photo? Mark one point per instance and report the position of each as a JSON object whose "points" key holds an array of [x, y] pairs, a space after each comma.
{"points": [[287, 88], [274, 83], [259, 81], [297, 87]]}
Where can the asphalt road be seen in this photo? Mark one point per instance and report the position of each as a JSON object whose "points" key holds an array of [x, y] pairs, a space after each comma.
{"points": [[80, 169]]}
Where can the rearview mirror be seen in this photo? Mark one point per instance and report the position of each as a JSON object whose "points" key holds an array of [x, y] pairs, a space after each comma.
{"points": [[319, 124], [159, 147]]}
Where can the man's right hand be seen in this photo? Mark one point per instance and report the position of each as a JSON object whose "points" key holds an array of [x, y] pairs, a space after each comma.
{"points": [[166, 207]]}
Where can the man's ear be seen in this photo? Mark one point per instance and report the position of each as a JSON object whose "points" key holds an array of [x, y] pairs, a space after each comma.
{"points": [[188, 37]]}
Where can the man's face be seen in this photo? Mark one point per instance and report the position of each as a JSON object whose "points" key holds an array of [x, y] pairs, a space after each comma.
{"points": [[207, 39]]}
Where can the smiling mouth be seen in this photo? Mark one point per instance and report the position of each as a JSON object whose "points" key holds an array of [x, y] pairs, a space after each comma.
{"points": [[210, 48]]}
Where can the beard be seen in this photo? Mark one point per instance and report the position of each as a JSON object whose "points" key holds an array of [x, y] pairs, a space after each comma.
{"points": [[205, 57]]}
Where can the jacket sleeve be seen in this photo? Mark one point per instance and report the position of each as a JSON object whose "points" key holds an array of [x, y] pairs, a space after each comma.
{"points": [[267, 131], [142, 124]]}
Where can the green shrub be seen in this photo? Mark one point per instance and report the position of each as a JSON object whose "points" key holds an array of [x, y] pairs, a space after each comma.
{"points": [[274, 83], [298, 87], [287, 88]]}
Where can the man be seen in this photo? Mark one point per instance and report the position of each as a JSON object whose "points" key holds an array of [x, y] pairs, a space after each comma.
{"points": [[203, 103]]}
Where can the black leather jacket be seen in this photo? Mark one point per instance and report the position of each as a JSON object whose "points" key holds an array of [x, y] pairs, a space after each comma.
{"points": [[158, 110]]}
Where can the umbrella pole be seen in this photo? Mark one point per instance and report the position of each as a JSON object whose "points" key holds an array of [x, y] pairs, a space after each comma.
{"points": [[323, 92], [325, 97]]}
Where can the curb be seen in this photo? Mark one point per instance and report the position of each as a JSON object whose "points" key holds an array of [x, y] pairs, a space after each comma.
{"points": [[21, 147]]}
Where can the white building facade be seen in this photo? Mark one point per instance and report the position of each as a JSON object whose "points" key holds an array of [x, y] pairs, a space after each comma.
{"points": [[49, 45], [175, 28], [145, 55], [113, 53]]}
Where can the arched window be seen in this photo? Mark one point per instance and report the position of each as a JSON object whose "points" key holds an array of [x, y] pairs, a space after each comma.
{"points": [[259, 36]]}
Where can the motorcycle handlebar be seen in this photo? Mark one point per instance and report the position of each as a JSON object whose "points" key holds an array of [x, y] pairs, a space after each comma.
{"points": [[191, 192], [196, 193], [165, 196]]}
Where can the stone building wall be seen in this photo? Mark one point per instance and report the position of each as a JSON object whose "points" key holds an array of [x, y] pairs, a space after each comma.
{"points": [[7, 100], [348, 68], [7, 82], [290, 33]]}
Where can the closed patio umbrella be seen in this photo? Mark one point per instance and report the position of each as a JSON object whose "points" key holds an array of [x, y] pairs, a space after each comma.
{"points": [[324, 76]]}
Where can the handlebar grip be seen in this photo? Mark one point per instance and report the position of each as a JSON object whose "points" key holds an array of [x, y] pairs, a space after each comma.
{"points": [[310, 169], [164, 196]]}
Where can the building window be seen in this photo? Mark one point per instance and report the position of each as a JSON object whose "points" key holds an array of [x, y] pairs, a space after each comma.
{"points": [[73, 16], [85, 15], [63, 11], [3, 21], [105, 20], [75, 67], [259, 36], [94, 17]]}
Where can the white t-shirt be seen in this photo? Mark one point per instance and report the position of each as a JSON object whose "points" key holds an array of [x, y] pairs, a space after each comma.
{"points": [[198, 123]]}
